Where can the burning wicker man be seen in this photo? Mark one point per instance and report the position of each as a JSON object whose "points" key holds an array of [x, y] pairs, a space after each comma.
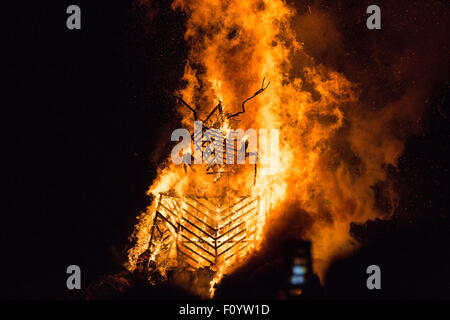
{"points": [[211, 230]]}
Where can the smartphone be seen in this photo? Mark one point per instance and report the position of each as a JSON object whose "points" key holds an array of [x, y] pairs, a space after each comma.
{"points": [[299, 266]]}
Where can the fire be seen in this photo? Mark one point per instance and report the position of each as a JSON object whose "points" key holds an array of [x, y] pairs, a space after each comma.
{"points": [[331, 154]]}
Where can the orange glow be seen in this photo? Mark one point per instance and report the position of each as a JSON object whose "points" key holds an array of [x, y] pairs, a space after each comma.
{"points": [[331, 154]]}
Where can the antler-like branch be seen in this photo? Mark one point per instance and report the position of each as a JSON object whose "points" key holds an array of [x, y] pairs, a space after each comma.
{"points": [[187, 105], [256, 93]]}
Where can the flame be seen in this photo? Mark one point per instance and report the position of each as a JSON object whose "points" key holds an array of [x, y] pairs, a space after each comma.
{"points": [[331, 153]]}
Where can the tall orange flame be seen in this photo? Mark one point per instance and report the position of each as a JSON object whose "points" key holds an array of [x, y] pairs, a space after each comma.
{"points": [[331, 153]]}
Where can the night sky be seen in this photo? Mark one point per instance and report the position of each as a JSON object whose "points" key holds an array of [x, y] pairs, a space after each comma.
{"points": [[87, 119]]}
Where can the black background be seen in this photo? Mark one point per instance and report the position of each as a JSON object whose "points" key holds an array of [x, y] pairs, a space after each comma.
{"points": [[85, 113]]}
